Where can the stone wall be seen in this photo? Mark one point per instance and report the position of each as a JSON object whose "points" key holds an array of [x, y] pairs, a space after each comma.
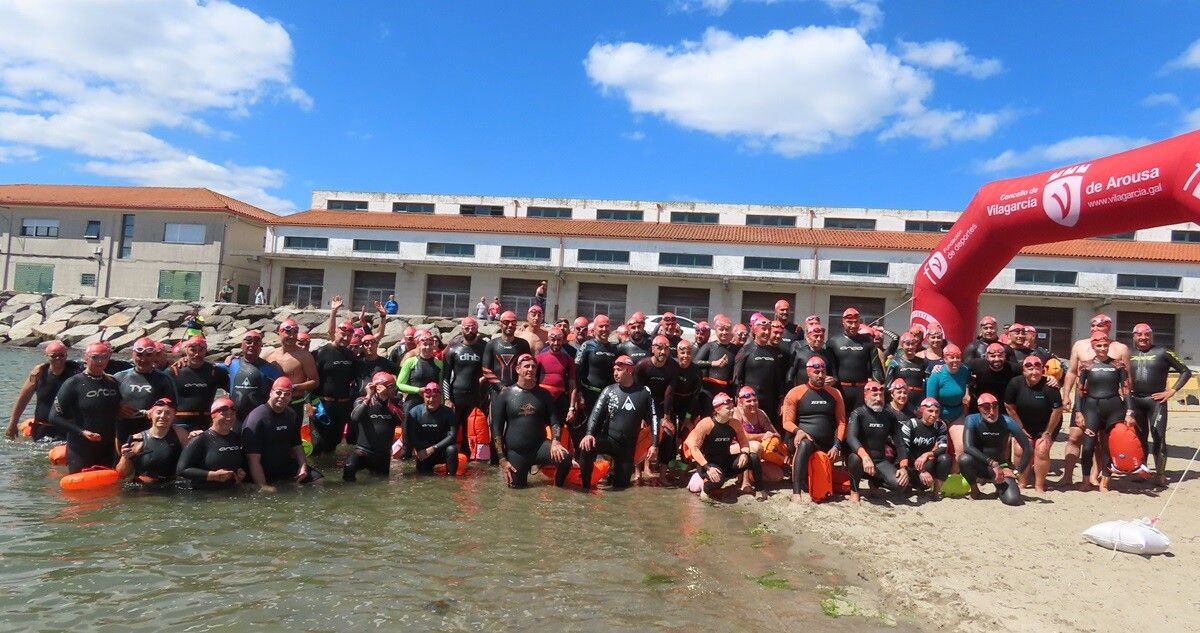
{"points": [[29, 320]]}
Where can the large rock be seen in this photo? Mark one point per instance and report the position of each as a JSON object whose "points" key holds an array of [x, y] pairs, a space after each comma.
{"points": [[141, 316], [157, 329], [24, 327], [50, 329], [64, 313], [119, 319], [28, 341], [54, 304], [4, 331], [87, 317], [265, 325], [126, 339], [174, 313], [218, 321], [234, 335], [104, 303], [7, 319], [23, 299], [271, 339], [72, 335], [257, 312]]}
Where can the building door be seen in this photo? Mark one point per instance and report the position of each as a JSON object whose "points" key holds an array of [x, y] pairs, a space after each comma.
{"points": [[517, 294], [448, 296], [179, 284], [243, 293], [1162, 324], [1054, 327], [34, 278], [303, 287], [757, 301], [370, 287], [608, 299], [691, 303], [869, 309]]}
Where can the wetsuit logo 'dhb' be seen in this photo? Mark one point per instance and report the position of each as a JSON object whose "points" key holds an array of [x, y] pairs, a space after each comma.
{"points": [[1062, 193]]}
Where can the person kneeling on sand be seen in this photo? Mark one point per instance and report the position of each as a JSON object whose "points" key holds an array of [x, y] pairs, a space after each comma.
{"points": [[926, 442], [986, 440], [710, 442], [870, 431], [815, 417], [764, 439]]}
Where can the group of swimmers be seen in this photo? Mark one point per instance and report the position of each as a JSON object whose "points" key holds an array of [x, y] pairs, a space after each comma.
{"points": [[753, 403]]}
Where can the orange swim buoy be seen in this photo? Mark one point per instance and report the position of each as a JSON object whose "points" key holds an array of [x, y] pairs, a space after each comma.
{"points": [[305, 432], [58, 455], [25, 428], [644, 441], [820, 476], [599, 471], [89, 479], [1125, 449], [462, 466], [774, 452]]}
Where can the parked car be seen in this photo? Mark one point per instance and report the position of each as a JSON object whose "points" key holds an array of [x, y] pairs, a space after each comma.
{"points": [[687, 325]]}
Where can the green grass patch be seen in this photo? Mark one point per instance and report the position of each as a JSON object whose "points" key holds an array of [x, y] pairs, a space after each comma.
{"points": [[659, 579], [771, 581]]}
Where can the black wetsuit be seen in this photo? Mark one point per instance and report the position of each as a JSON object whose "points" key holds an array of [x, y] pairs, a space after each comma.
{"points": [[519, 421], [593, 371], [197, 387], [977, 349], [1019, 354], [140, 391], [1034, 404], [396, 354], [424, 428], [376, 423], [687, 403], [911, 371], [157, 461], [274, 436], [45, 389], [919, 438], [791, 334], [717, 379], [801, 352], [874, 431], [500, 361], [635, 350], [661, 383], [985, 441], [88, 403], [415, 373], [765, 369], [462, 368], [816, 412], [1103, 408], [856, 363], [365, 368], [249, 385], [338, 390], [1148, 371], [615, 422], [716, 447], [211, 451], [987, 380], [116, 366]]}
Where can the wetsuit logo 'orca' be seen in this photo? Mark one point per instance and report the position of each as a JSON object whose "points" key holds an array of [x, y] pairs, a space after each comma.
{"points": [[97, 393], [1061, 196]]}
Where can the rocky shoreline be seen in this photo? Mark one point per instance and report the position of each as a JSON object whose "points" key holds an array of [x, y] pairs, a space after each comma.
{"points": [[29, 320]]}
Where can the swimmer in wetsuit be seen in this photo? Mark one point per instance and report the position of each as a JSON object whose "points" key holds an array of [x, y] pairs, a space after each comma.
{"points": [[710, 443], [250, 377], [419, 370], [462, 377], [338, 390], [908, 366], [814, 417], [271, 441], [992, 373], [1105, 404], [1081, 352], [1037, 406], [376, 416], [855, 359], [152, 456], [140, 387], [1149, 396], [197, 382], [716, 358], [686, 396], [556, 374], [593, 367], [658, 373], [44, 382], [613, 427], [986, 439], [637, 345], [214, 460], [926, 443], [869, 432], [521, 413], [813, 344], [87, 406], [297, 363], [429, 432], [762, 366]]}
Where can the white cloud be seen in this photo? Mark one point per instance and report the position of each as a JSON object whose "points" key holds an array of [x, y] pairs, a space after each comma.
{"points": [[1065, 151], [796, 92], [10, 153], [870, 16], [1165, 98], [105, 78], [1191, 121], [949, 55], [635, 136], [1190, 58]]}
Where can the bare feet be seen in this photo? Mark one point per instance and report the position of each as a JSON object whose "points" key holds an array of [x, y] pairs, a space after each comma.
{"points": [[1104, 483], [854, 497], [761, 495], [975, 494], [1085, 486], [798, 498]]}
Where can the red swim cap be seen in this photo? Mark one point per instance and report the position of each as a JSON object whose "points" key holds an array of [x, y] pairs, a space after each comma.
{"points": [[995, 347], [282, 382], [508, 315], [986, 398]]}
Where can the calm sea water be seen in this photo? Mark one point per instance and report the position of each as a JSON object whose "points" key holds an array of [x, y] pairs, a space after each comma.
{"points": [[414, 553]]}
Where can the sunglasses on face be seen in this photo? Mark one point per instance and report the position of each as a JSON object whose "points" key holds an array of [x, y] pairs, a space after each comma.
{"points": [[872, 389], [56, 356], [223, 409], [816, 367], [144, 350], [98, 357], [290, 329], [1032, 365]]}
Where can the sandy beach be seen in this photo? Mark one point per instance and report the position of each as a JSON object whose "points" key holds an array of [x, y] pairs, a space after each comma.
{"points": [[977, 565]]}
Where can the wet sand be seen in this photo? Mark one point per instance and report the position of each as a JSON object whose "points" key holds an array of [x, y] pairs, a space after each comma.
{"points": [[965, 565]]}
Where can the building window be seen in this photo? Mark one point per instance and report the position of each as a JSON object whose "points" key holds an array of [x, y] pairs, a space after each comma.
{"points": [[371, 286], [179, 284], [690, 303], [184, 233], [1117, 236], [693, 217], [346, 205], [869, 309], [34, 278], [92, 232], [481, 209], [870, 269], [517, 294], [126, 246], [855, 224], [781, 264], [447, 295], [1053, 277], [303, 287], [562, 213], [927, 226], [1162, 324], [306, 243], [594, 256], [34, 227], [621, 215], [377, 246], [764, 302], [1148, 282], [87, 279], [771, 220], [594, 298], [1185, 236], [536, 253], [447, 249], [689, 260], [412, 207], [1054, 326]]}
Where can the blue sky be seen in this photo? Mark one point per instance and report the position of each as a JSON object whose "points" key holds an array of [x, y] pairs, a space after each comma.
{"points": [[810, 102]]}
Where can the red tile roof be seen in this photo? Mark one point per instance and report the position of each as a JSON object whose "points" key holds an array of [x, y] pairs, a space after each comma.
{"points": [[731, 234], [115, 197]]}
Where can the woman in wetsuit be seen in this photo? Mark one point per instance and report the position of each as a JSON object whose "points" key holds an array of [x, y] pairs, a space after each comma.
{"points": [[710, 443], [1037, 407], [152, 456], [214, 460], [951, 386], [1105, 405]]}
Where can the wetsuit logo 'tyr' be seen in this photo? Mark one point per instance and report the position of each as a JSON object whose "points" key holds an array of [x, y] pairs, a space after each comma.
{"points": [[1061, 196]]}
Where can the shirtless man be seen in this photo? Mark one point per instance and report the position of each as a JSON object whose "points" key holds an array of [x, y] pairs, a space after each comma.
{"points": [[1082, 352], [297, 364], [533, 330]]}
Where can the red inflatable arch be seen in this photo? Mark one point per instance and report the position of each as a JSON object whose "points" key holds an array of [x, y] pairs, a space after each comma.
{"points": [[1145, 187]]}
